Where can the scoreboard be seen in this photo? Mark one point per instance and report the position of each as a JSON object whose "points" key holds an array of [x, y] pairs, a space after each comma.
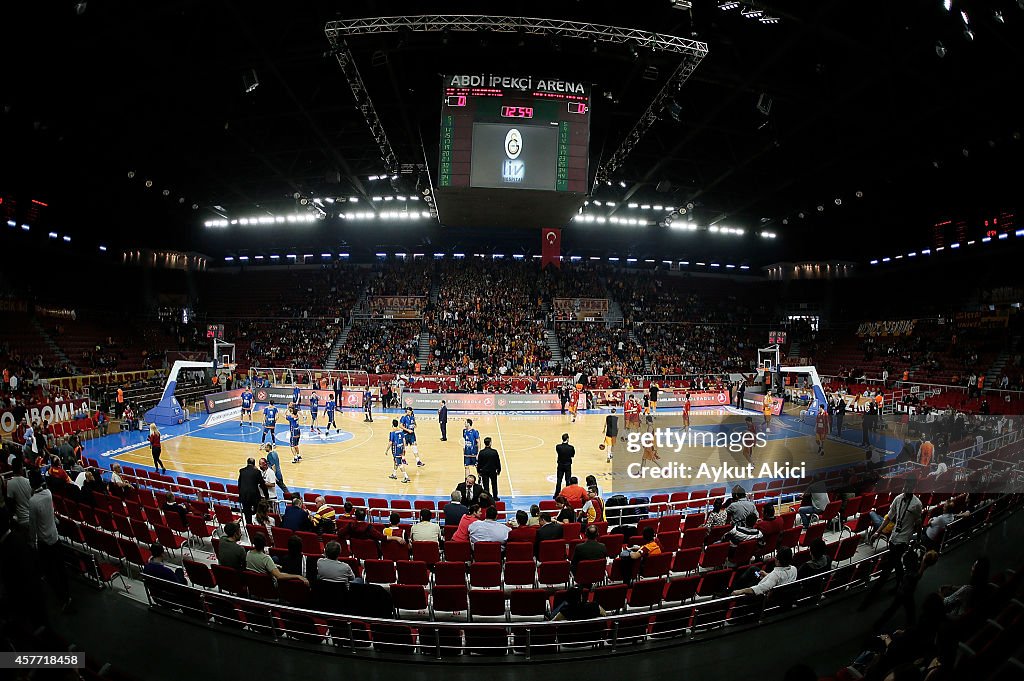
{"points": [[523, 137], [518, 133]]}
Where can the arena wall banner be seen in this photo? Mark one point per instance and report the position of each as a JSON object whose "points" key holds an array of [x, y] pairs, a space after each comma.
{"points": [[669, 399], [283, 395], [54, 412], [218, 402], [755, 401], [481, 401]]}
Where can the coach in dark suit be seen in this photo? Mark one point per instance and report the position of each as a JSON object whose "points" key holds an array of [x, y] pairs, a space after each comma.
{"points": [[488, 465], [442, 420], [250, 489], [339, 389], [470, 490], [565, 452]]}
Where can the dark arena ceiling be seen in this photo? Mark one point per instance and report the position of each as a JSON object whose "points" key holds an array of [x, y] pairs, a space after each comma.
{"points": [[890, 116]]}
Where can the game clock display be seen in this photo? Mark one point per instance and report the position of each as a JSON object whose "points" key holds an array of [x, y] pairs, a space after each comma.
{"points": [[502, 132]]}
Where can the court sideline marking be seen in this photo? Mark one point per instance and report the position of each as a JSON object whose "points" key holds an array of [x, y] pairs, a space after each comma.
{"points": [[501, 443]]}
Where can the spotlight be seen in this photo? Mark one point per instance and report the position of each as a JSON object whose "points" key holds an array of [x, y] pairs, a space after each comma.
{"points": [[947, 5], [166, 192], [131, 174], [940, 49], [839, 202], [968, 34], [821, 209], [998, 16], [800, 215], [622, 183], [149, 183], [859, 194]]}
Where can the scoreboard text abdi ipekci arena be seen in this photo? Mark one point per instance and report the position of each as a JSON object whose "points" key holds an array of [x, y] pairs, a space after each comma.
{"points": [[514, 132]]}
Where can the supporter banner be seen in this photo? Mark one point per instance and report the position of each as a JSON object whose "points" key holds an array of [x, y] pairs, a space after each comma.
{"points": [[895, 328], [579, 308], [669, 399], [54, 412], [982, 320], [283, 395], [756, 401], [481, 401], [399, 307]]}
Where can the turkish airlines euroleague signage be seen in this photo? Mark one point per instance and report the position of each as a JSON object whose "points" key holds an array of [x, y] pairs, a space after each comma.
{"points": [[223, 401], [481, 401], [284, 395]]}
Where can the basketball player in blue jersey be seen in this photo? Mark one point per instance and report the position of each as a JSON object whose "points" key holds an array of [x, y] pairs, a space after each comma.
{"points": [[329, 407], [246, 407], [296, 395], [367, 405], [269, 422], [396, 447], [470, 447], [293, 435], [408, 423], [314, 409]]}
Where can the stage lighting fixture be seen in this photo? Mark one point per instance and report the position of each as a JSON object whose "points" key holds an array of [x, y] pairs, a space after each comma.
{"points": [[726, 6], [821, 209], [839, 202], [250, 81], [622, 183], [859, 194], [800, 215], [998, 16], [103, 249], [131, 174], [195, 206], [80, 8], [940, 49], [969, 34], [751, 13], [166, 192], [149, 183], [947, 4]]}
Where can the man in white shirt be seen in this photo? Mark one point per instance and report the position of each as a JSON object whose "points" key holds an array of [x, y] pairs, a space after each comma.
{"points": [[425, 530], [270, 482], [19, 492], [43, 535], [905, 513], [784, 573], [488, 529]]}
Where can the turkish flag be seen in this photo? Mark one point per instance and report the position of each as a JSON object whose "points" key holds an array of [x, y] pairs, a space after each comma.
{"points": [[551, 247]]}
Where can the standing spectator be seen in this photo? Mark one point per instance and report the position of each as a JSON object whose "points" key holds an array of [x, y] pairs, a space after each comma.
{"points": [[488, 465], [43, 535], [269, 484], [19, 493], [442, 420], [913, 570], [154, 445], [565, 453], [274, 461], [102, 423], [250, 489], [902, 522]]}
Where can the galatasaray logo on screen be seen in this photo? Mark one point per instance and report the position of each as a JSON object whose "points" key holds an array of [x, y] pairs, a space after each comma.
{"points": [[513, 144]]}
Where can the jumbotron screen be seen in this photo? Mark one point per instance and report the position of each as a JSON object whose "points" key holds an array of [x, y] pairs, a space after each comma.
{"points": [[527, 136]]}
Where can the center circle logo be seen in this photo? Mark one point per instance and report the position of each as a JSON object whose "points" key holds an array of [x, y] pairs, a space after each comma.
{"points": [[513, 144]]}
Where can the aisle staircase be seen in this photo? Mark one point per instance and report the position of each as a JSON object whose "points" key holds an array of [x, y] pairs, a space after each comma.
{"points": [[551, 338], [995, 371], [615, 315], [359, 309], [648, 367], [51, 345], [423, 356]]}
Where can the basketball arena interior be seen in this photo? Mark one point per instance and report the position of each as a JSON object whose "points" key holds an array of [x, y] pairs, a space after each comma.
{"points": [[469, 340]]}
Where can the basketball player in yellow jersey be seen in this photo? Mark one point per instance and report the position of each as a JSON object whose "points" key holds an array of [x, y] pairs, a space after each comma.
{"points": [[574, 401], [767, 409]]}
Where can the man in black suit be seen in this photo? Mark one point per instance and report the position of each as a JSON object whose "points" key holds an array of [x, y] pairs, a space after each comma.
{"points": [[250, 489], [739, 394], [565, 452], [454, 510], [442, 420], [563, 397], [547, 531], [339, 389], [470, 490], [488, 465]]}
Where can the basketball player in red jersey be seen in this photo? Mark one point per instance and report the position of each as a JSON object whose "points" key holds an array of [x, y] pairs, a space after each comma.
{"points": [[752, 430], [686, 411], [822, 426], [632, 413]]}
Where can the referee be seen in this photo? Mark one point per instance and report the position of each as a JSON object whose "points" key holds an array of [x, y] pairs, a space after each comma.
{"points": [[488, 465]]}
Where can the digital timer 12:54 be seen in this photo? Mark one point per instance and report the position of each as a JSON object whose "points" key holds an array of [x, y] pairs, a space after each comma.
{"points": [[517, 112]]}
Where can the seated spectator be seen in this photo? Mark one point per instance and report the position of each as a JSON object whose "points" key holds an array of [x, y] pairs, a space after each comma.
{"points": [[566, 513], [360, 529], [323, 520], [593, 509], [590, 549], [425, 530], [394, 532], [534, 520], [783, 573], [347, 512], [718, 515], [296, 518], [454, 510], [155, 566], [257, 560], [488, 529], [574, 494], [960, 601], [522, 531], [171, 506], [231, 553], [330, 569], [547, 531], [293, 561], [574, 608], [650, 547], [263, 518], [462, 533], [937, 525], [57, 471], [814, 501], [739, 507], [819, 561]]}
